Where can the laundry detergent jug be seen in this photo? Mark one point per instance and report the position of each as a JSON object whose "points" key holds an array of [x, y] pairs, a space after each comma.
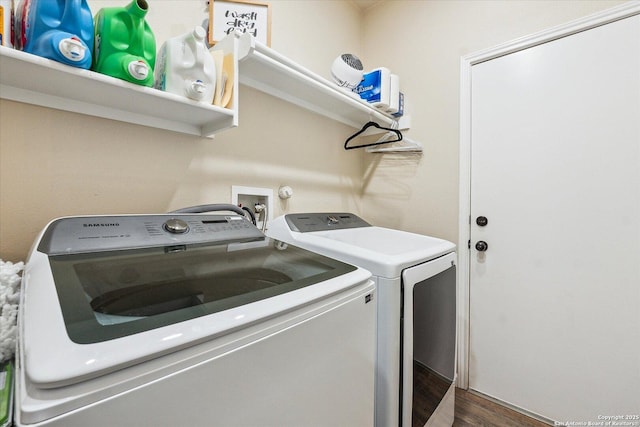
{"points": [[61, 30], [125, 45], [185, 67]]}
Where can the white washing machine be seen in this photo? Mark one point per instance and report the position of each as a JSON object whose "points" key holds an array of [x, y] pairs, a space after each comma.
{"points": [[415, 277], [190, 320]]}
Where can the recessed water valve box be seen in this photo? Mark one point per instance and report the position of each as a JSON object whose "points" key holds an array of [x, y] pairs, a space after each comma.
{"points": [[249, 197]]}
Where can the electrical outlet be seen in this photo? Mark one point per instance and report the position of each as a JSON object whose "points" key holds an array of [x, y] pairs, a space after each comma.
{"points": [[250, 197]]}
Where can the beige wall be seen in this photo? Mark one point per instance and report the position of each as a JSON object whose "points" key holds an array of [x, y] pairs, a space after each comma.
{"points": [[423, 41], [54, 163]]}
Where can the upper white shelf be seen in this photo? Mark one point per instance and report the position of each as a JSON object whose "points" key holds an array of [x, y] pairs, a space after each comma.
{"points": [[40, 81], [266, 70]]}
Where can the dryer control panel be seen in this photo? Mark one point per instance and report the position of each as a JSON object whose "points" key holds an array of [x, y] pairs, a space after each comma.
{"points": [[308, 222]]}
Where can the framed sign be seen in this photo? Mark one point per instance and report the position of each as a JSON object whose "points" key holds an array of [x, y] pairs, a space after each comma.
{"points": [[245, 16]]}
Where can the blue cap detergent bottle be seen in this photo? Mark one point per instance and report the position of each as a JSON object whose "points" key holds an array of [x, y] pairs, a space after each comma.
{"points": [[61, 30]]}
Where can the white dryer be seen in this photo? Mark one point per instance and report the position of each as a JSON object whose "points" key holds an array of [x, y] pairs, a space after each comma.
{"points": [[415, 276], [190, 320]]}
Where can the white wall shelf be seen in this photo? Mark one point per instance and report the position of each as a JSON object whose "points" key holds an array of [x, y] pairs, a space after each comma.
{"points": [[35, 80], [40, 81], [268, 71]]}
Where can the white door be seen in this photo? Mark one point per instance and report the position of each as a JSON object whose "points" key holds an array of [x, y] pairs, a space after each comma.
{"points": [[555, 169]]}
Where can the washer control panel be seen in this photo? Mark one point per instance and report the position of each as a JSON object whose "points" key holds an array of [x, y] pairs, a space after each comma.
{"points": [[99, 233], [309, 222]]}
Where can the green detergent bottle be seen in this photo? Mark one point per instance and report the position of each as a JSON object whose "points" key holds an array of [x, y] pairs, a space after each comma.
{"points": [[125, 46]]}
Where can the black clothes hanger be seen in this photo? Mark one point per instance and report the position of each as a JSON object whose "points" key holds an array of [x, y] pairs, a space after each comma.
{"points": [[367, 126]]}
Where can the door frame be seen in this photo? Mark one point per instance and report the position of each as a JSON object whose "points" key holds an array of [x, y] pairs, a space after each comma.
{"points": [[464, 220]]}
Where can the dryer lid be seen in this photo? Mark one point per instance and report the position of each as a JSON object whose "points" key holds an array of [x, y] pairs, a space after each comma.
{"points": [[382, 251]]}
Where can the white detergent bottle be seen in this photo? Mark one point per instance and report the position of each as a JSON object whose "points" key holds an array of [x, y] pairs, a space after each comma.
{"points": [[185, 67]]}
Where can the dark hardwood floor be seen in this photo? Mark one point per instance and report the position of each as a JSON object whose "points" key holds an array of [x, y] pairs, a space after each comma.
{"points": [[473, 410]]}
